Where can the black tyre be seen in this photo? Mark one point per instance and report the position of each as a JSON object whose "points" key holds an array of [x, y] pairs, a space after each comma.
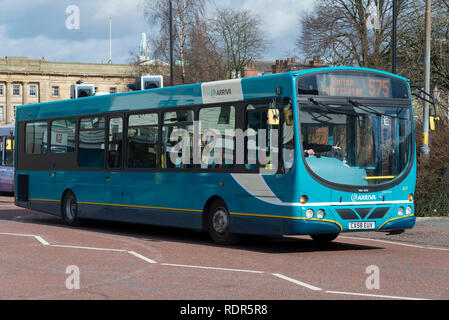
{"points": [[219, 222], [324, 237], [69, 210]]}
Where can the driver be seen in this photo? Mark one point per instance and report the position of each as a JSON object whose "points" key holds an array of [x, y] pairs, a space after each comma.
{"points": [[311, 149]]}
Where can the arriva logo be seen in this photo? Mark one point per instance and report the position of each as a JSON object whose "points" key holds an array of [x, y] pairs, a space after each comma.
{"points": [[220, 92], [363, 197]]}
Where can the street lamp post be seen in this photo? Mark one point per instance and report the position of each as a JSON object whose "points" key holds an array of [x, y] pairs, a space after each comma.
{"points": [[425, 150], [171, 40], [394, 42]]}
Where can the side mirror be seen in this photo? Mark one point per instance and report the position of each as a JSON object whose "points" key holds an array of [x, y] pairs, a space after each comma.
{"points": [[273, 117], [288, 114]]}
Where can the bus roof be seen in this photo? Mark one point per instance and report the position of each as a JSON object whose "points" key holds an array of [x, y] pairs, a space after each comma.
{"points": [[261, 87]]}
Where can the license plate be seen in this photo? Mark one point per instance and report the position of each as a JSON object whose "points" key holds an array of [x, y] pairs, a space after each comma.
{"points": [[362, 225]]}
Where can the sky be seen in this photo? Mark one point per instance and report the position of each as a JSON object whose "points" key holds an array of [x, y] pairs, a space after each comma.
{"points": [[58, 31]]}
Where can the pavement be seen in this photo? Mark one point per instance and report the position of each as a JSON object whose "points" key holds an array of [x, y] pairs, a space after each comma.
{"points": [[42, 259], [427, 231]]}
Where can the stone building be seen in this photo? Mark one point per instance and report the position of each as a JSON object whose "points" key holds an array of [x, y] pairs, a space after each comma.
{"points": [[25, 81]]}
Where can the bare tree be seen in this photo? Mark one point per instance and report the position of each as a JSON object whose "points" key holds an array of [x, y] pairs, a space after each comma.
{"points": [[412, 43], [203, 54], [185, 13], [339, 31], [240, 36]]}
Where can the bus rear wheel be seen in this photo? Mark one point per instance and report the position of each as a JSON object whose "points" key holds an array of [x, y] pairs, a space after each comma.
{"points": [[324, 237], [218, 224], [69, 210]]}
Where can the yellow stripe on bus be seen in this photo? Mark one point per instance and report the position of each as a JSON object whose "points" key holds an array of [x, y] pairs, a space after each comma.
{"points": [[380, 178]]}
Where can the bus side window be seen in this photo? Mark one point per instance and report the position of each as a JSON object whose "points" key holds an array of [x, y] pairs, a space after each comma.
{"points": [[217, 137], [91, 143], [115, 145], [142, 140], [260, 150], [9, 151], [36, 138], [177, 139], [63, 136], [288, 139]]}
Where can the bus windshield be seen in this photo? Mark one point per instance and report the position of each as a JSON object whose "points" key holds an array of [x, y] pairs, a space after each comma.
{"points": [[349, 143]]}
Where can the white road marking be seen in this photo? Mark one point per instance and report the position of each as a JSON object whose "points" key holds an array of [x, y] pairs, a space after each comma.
{"points": [[396, 243], [278, 275], [210, 268], [41, 240], [38, 238], [141, 257], [17, 234], [373, 295], [87, 248], [303, 284]]}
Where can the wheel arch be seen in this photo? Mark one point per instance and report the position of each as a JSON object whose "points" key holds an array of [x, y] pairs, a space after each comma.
{"points": [[206, 209], [66, 191]]}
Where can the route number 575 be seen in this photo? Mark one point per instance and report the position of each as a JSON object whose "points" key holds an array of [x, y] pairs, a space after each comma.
{"points": [[379, 87]]}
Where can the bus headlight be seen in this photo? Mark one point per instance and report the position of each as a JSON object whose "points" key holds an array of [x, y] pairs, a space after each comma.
{"points": [[400, 211], [320, 214], [408, 211], [309, 214]]}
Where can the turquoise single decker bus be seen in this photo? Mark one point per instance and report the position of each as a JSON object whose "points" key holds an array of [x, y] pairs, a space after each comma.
{"points": [[314, 152]]}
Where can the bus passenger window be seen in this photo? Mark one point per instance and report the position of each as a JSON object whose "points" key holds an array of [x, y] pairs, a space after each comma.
{"points": [[91, 143], [142, 141], [9, 151], [177, 139], [261, 150], [63, 136], [36, 138], [115, 148], [217, 137], [288, 139]]}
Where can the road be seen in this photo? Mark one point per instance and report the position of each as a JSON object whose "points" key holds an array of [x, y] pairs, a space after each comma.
{"points": [[40, 258]]}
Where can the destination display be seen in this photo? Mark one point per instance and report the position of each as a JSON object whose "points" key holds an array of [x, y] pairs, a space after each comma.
{"points": [[352, 85]]}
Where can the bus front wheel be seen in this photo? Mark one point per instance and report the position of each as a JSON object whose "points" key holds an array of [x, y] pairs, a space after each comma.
{"points": [[69, 210], [324, 237], [218, 222]]}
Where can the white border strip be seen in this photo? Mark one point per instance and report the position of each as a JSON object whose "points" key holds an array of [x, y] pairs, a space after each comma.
{"points": [[302, 284]]}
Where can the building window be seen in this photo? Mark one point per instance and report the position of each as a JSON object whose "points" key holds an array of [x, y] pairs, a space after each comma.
{"points": [[2, 113], [55, 91], [1, 90], [16, 90], [113, 90], [33, 90]]}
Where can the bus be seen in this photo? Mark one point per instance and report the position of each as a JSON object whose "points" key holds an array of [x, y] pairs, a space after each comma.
{"points": [[7, 158], [313, 152]]}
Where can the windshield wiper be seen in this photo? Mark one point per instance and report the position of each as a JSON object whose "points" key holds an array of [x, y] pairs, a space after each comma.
{"points": [[329, 108], [372, 110]]}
